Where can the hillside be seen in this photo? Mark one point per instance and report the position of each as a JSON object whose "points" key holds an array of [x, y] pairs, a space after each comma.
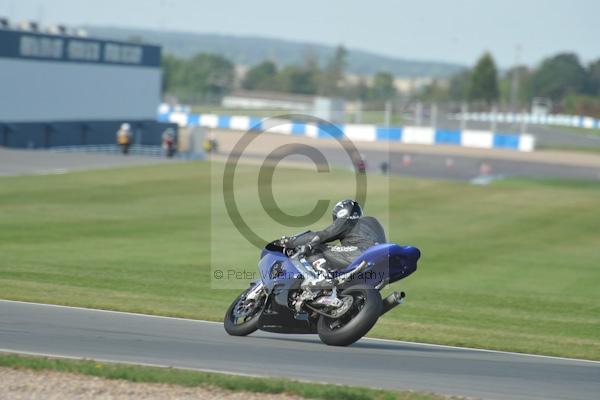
{"points": [[248, 50]]}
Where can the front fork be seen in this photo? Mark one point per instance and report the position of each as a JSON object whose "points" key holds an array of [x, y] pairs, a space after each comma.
{"points": [[255, 291]]}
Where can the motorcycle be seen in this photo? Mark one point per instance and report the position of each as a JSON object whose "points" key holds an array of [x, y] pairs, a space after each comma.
{"points": [[289, 297]]}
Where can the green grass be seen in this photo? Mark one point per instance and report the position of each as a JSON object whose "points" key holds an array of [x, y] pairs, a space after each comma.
{"points": [[368, 116], [583, 149], [217, 109], [578, 130], [378, 118], [548, 183], [195, 378], [512, 266]]}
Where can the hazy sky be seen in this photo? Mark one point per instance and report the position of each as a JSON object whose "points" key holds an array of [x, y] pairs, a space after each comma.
{"points": [[444, 30]]}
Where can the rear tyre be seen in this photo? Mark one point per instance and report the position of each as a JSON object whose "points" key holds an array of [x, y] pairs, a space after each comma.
{"points": [[356, 322], [242, 316]]}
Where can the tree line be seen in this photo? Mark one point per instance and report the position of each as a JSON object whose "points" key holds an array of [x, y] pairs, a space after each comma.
{"points": [[205, 78], [571, 86], [563, 79]]}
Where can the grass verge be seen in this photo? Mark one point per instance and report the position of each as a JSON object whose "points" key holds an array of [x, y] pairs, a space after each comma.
{"points": [[182, 377], [510, 266], [367, 116], [583, 149]]}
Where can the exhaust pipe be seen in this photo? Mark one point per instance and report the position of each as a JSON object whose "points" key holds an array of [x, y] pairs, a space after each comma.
{"points": [[393, 300]]}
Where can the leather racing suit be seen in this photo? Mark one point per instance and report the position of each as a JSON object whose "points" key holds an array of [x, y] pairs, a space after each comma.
{"points": [[354, 234]]}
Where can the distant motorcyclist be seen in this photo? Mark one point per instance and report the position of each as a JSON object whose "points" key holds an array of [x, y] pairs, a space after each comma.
{"points": [[211, 144], [169, 142], [360, 164], [354, 232], [124, 135]]}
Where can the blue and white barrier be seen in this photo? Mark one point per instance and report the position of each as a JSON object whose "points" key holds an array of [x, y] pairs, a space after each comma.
{"points": [[359, 132], [576, 121]]}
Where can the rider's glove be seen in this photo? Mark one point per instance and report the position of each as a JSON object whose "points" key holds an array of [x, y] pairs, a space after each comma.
{"points": [[304, 249]]}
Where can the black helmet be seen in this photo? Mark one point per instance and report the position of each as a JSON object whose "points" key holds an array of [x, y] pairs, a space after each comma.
{"points": [[347, 209]]}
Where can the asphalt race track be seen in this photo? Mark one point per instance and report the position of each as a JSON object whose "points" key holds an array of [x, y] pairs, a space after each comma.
{"points": [[404, 162], [437, 162], [438, 166], [444, 167], [27, 162], [133, 338]]}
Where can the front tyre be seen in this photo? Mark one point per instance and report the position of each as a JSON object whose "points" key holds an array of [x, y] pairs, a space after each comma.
{"points": [[242, 316], [356, 322]]}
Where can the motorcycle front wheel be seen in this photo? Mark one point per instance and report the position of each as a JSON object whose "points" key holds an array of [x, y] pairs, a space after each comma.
{"points": [[356, 322], [242, 316]]}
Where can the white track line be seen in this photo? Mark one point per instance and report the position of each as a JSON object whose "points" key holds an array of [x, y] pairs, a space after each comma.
{"points": [[368, 338], [110, 311], [445, 346]]}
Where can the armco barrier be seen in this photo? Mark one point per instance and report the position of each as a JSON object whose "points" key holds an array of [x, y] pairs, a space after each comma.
{"points": [[54, 134], [576, 121], [359, 132], [136, 149]]}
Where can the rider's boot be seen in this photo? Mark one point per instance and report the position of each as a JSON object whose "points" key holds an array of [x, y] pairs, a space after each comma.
{"points": [[321, 279]]}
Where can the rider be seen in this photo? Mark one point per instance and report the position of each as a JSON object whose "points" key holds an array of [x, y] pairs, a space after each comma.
{"points": [[124, 137], [355, 233]]}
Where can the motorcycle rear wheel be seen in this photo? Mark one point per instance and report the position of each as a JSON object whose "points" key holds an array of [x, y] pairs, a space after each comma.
{"points": [[236, 327], [356, 322]]}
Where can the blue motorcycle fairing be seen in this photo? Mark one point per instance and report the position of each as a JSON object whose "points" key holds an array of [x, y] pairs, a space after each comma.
{"points": [[281, 281], [387, 262]]}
